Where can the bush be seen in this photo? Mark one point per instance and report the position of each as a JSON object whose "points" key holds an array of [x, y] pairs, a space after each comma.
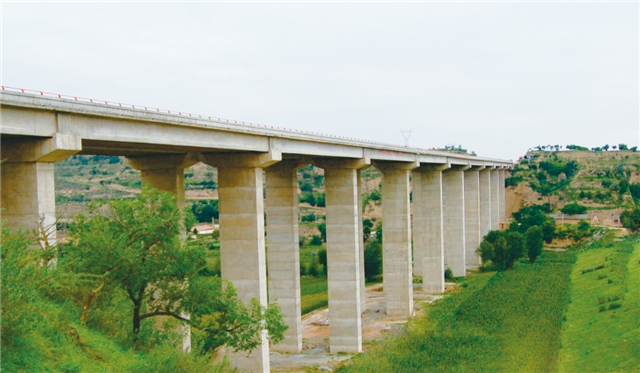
{"points": [[322, 258], [307, 197], [574, 209], [631, 219], [314, 267], [308, 218], [448, 274], [372, 260], [534, 241], [316, 240]]}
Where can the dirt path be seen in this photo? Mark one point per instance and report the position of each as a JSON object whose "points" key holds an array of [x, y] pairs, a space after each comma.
{"points": [[376, 325]]}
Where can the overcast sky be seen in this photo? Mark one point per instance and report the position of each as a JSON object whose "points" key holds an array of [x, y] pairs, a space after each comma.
{"points": [[496, 78]]}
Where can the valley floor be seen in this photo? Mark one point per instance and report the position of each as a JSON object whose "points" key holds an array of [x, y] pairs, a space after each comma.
{"points": [[564, 313]]}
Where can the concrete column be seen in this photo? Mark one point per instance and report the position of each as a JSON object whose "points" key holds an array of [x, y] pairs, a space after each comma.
{"points": [[242, 250], [396, 239], [485, 202], [343, 258], [28, 197], [472, 215], [454, 219], [428, 240], [242, 239], [363, 298], [284, 250], [27, 181], [495, 200], [502, 195]]}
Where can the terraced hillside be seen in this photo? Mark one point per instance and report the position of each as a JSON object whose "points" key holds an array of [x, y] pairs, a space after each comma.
{"points": [[598, 180]]}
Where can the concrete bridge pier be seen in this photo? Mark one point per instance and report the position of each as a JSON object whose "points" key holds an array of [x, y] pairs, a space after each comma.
{"points": [[454, 219], [284, 249], [428, 239], [242, 249], [495, 199], [472, 214], [343, 253], [396, 237], [485, 201], [502, 194], [28, 186]]}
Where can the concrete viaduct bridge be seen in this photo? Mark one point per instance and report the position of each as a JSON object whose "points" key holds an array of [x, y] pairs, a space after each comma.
{"points": [[456, 198]]}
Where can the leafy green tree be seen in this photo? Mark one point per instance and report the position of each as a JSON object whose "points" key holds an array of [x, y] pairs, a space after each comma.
{"points": [[134, 246], [205, 211], [322, 258], [373, 259], [322, 227], [534, 243], [631, 219], [308, 197], [516, 247], [634, 189], [574, 209]]}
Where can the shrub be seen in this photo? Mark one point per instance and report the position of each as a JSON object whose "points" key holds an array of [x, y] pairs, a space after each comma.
{"points": [[614, 305], [314, 267], [322, 257], [372, 259], [574, 209], [308, 218], [316, 240], [448, 274]]}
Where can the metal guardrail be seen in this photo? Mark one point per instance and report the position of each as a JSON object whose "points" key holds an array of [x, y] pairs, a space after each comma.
{"points": [[181, 113]]}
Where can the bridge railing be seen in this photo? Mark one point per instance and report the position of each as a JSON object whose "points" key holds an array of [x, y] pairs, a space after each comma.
{"points": [[182, 113]]}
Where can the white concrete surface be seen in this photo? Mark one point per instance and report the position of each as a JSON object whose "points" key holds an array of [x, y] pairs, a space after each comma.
{"points": [[502, 195], [472, 215], [495, 199], [283, 252], [396, 241], [485, 202], [428, 239], [343, 259], [454, 219], [242, 249]]}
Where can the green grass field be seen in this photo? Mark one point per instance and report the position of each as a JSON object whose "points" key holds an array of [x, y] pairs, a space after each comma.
{"points": [[505, 322], [598, 337]]}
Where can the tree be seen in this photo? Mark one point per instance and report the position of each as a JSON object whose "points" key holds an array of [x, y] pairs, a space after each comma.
{"points": [[574, 209], [134, 246], [322, 227], [605, 148], [631, 219], [534, 242], [516, 247], [623, 147], [373, 259]]}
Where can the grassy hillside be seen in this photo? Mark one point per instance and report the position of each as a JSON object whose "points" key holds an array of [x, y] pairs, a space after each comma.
{"points": [[596, 179], [602, 331], [505, 322]]}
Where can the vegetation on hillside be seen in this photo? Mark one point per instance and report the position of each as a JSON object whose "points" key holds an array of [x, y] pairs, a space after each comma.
{"points": [[121, 269], [487, 326], [602, 328], [594, 179], [525, 237]]}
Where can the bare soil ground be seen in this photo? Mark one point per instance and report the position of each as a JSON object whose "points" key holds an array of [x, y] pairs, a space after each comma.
{"points": [[376, 326]]}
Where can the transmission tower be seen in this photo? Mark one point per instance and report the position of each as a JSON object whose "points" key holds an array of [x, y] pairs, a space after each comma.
{"points": [[406, 135]]}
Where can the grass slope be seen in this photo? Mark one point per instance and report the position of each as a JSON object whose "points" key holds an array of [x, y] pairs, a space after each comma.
{"points": [[504, 322], [599, 337]]}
